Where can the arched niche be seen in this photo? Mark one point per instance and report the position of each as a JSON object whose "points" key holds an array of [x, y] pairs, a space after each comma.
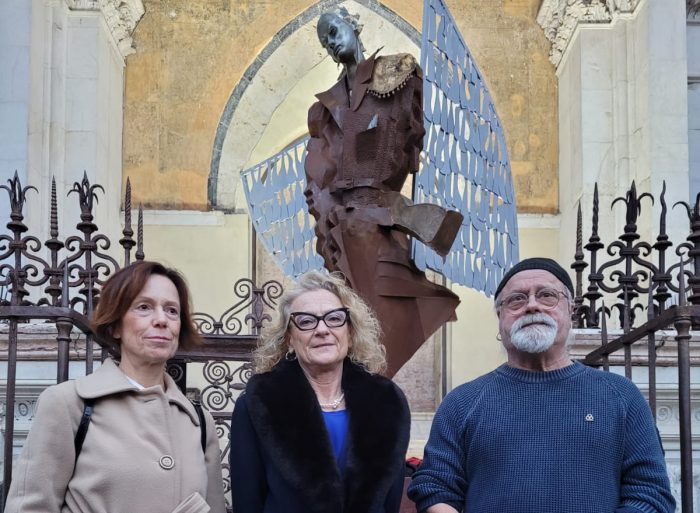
{"points": [[267, 109]]}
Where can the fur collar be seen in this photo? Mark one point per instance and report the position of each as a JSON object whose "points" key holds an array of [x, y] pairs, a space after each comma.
{"points": [[288, 422]]}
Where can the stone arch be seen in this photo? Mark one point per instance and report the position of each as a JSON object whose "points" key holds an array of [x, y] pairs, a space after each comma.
{"points": [[266, 109]]}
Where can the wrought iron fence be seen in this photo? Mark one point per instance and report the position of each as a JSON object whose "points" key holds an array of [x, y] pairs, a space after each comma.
{"points": [[634, 275], [58, 282]]}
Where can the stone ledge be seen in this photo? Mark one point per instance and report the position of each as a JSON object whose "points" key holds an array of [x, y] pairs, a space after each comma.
{"points": [[37, 342], [587, 340]]}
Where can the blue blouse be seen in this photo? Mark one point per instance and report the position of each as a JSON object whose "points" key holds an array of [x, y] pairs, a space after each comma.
{"points": [[337, 425]]}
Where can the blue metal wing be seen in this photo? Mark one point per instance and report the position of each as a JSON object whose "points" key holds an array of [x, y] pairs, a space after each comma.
{"points": [[274, 190], [465, 163]]}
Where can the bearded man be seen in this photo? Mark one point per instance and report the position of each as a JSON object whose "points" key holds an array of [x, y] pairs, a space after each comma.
{"points": [[541, 433]]}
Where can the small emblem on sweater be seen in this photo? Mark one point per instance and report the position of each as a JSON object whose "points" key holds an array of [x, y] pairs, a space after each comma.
{"points": [[589, 417]]}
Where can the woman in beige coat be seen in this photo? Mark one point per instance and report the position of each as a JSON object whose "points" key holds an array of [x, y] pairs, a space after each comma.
{"points": [[143, 449]]}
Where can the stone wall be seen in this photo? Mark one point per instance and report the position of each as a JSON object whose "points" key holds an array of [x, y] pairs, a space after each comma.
{"points": [[191, 54]]}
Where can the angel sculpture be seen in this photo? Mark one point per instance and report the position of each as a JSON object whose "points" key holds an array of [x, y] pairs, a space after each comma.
{"points": [[366, 137]]}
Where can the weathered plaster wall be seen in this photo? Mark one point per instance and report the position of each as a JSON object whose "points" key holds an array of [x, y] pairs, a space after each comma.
{"points": [[190, 54]]}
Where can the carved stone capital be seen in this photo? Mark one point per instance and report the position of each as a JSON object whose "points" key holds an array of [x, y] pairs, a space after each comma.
{"points": [[559, 19], [693, 10], [121, 17]]}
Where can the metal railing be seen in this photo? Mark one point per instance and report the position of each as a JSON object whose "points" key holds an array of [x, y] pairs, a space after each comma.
{"points": [[58, 282], [634, 276]]}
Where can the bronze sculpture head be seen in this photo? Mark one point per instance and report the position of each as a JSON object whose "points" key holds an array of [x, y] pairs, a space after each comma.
{"points": [[339, 33]]}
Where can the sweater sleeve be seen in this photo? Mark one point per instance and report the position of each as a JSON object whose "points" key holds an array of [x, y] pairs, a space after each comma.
{"points": [[47, 461], [212, 460], [644, 480], [248, 483], [442, 477]]}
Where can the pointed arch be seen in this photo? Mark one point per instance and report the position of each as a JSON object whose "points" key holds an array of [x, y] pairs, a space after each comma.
{"points": [[291, 56]]}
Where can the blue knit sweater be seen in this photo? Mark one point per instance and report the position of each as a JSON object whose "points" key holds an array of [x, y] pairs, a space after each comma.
{"points": [[573, 440]]}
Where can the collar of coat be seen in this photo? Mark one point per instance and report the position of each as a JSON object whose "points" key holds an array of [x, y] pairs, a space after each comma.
{"points": [[287, 418], [336, 99], [109, 380]]}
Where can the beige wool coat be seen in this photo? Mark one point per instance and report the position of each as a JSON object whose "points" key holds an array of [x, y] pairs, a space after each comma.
{"points": [[142, 452]]}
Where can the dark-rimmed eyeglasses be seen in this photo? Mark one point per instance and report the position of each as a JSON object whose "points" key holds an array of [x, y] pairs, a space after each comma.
{"points": [[305, 321], [547, 298]]}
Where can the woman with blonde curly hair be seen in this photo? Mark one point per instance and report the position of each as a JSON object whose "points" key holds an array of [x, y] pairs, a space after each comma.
{"points": [[318, 428]]}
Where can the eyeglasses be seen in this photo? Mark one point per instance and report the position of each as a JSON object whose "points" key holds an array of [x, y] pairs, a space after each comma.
{"points": [[546, 298], [308, 321]]}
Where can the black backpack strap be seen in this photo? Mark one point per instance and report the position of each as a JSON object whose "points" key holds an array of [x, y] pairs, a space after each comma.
{"points": [[83, 427], [202, 424], [89, 407]]}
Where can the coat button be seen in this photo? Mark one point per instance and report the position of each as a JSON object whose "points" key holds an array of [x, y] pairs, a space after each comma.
{"points": [[166, 462]]}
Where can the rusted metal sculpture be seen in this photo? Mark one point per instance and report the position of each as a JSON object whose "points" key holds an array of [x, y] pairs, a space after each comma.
{"points": [[368, 134], [366, 137]]}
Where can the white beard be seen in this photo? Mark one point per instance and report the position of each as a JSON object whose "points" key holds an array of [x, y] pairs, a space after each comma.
{"points": [[533, 338]]}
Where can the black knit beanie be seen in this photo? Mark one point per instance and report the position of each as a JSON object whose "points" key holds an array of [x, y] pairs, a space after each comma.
{"points": [[546, 264]]}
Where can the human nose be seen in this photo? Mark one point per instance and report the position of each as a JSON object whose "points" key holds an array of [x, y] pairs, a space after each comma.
{"points": [[532, 303], [321, 327], [159, 317]]}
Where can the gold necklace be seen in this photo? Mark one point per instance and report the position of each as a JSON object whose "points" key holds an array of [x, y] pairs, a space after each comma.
{"points": [[333, 405]]}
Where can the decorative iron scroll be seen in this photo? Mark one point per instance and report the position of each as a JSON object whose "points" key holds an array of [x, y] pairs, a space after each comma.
{"points": [[635, 268], [465, 160], [75, 266], [250, 298]]}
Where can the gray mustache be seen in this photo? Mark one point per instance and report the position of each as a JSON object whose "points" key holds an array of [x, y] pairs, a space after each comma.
{"points": [[539, 318]]}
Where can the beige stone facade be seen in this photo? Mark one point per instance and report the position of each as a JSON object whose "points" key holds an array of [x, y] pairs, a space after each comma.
{"points": [[190, 55], [181, 95]]}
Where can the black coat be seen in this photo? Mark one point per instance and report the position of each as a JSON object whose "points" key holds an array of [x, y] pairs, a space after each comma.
{"points": [[281, 455]]}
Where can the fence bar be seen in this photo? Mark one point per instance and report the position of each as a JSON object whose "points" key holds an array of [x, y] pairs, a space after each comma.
{"points": [[651, 351], [9, 408], [683, 324], [604, 337], [64, 327], [683, 338]]}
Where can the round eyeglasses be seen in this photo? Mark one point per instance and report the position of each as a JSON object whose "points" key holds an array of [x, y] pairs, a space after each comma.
{"points": [[308, 321], [547, 298]]}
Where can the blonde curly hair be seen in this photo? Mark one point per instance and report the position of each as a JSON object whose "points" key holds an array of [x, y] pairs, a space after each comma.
{"points": [[366, 348]]}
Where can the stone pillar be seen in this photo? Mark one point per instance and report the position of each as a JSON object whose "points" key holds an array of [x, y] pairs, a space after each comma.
{"points": [[67, 118], [693, 48], [14, 93], [623, 111]]}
